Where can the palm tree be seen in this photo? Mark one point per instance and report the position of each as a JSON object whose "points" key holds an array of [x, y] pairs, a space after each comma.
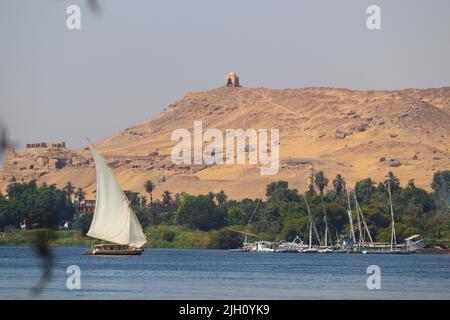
{"points": [[80, 195], [221, 197], [211, 195], [166, 198], [365, 189], [321, 182], [394, 182], [149, 188], [69, 189], [339, 185]]}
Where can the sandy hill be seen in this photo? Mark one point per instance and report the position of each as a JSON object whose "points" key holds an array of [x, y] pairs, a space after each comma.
{"points": [[355, 133]]}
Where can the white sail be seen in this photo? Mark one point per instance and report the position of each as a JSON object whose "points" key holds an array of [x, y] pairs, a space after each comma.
{"points": [[113, 220]]}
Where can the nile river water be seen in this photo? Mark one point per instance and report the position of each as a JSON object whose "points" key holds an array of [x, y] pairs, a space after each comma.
{"points": [[218, 274]]}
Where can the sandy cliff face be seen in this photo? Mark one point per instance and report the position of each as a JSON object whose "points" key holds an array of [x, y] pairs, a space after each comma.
{"points": [[356, 133]]}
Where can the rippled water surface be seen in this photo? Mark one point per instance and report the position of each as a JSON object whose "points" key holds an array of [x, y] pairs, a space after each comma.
{"points": [[217, 274]]}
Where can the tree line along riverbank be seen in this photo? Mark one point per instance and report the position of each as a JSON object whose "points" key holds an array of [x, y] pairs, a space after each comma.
{"points": [[207, 221]]}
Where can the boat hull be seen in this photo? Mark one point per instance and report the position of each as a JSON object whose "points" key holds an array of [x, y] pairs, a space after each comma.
{"points": [[325, 250], [385, 252], [310, 250], [136, 252], [113, 250]]}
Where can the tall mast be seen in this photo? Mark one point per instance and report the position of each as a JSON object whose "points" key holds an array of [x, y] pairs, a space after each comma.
{"points": [[393, 236], [310, 233], [358, 208], [311, 224], [350, 218], [250, 220], [327, 233], [359, 225], [311, 221]]}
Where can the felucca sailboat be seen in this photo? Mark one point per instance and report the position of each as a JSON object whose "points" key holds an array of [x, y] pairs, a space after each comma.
{"points": [[114, 220], [392, 248]]}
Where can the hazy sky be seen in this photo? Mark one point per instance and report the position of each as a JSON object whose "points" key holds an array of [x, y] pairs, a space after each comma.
{"points": [[135, 57]]}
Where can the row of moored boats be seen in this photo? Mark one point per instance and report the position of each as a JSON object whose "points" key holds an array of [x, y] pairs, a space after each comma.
{"points": [[363, 244]]}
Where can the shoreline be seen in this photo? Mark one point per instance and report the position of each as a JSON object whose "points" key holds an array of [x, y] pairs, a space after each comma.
{"points": [[182, 238], [187, 239], [426, 251]]}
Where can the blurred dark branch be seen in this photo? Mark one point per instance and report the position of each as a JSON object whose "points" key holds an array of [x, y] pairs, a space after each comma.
{"points": [[94, 5], [41, 239], [4, 141]]}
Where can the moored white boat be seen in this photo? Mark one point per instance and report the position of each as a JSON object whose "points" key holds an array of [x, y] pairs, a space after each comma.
{"points": [[385, 251], [392, 248], [414, 243], [310, 250], [296, 245], [265, 246], [325, 250]]}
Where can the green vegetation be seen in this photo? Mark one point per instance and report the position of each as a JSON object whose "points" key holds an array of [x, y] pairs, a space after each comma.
{"points": [[60, 238], [164, 236], [211, 221]]}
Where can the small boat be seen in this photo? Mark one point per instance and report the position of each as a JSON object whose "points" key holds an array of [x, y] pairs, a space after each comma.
{"points": [[393, 248], [265, 246], [114, 220], [414, 243], [385, 251], [246, 247], [312, 226], [310, 250], [325, 250], [296, 245], [113, 249]]}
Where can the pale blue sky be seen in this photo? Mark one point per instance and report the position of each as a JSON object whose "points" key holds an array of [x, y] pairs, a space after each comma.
{"points": [[136, 57]]}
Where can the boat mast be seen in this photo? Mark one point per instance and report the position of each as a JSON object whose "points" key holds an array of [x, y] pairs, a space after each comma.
{"points": [[358, 208], [359, 226], [310, 233], [311, 221], [250, 220], [327, 231], [393, 236], [311, 224], [350, 218]]}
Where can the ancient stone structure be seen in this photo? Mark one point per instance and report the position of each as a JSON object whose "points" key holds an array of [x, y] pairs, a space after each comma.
{"points": [[232, 80], [46, 145]]}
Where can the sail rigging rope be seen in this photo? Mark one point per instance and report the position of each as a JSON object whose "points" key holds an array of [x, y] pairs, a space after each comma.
{"points": [[250, 220]]}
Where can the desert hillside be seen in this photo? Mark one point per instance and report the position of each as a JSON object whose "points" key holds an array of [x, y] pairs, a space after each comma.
{"points": [[355, 133]]}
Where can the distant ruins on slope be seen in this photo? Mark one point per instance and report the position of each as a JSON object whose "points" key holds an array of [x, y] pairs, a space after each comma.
{"points": [[46, 145]]}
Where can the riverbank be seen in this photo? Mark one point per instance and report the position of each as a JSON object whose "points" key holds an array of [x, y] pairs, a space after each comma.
{"points": [[167, 237], [175, 237]]}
